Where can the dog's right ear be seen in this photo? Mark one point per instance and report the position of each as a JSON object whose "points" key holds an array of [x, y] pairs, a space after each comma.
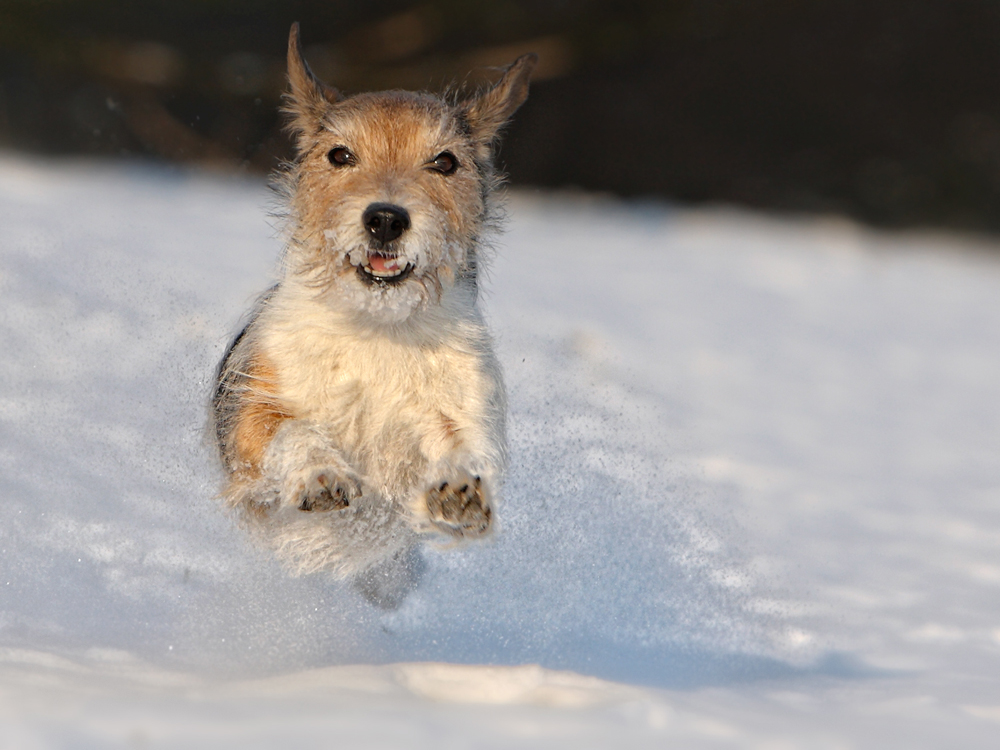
{"points": [[308, 97]]}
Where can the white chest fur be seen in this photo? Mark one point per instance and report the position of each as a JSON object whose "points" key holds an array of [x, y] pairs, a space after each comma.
{"points": [[394, 400]]}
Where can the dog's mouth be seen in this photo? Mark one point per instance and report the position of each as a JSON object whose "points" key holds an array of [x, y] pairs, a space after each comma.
{"points": [[383, 268]]}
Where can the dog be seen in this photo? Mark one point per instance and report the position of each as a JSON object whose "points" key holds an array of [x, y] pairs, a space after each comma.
{"points": [[362, 408]]}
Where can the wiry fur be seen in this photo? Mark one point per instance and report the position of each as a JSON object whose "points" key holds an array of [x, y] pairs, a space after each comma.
{"points": [[354, 414]]}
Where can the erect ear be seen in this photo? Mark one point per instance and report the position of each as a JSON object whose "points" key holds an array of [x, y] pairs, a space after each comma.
{"points": [[488, 112], [308, 96]]}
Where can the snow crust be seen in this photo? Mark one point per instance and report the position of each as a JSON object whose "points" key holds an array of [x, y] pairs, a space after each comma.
{"points": [[754, 498]]}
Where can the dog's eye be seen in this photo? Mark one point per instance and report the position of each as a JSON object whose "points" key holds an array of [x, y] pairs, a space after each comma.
{"points": [[340, 157], [445, 163]]}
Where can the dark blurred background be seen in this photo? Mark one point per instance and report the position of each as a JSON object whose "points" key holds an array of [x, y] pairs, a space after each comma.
{"points": [[888, 110]]}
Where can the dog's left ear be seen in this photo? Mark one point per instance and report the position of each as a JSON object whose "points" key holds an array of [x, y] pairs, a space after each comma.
{"points": [[308, 96], [488, 112]]}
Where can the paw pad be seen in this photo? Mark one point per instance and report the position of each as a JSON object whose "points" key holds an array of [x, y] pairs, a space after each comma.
{"points": [[322, 494], [459, 508]]}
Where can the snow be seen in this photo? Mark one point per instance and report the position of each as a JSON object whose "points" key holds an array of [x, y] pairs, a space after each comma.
{"points": [[754, 498]]}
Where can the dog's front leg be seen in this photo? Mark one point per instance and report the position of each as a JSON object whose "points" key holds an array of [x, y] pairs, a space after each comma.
{"points": [[465, 454], [308, 471]]}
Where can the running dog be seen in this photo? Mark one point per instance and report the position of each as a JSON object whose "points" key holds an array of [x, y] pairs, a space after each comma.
{"points": [[362, 407]]}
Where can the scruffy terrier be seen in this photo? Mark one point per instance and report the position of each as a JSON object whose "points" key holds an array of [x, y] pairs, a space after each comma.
{"points": [[362, 406]]}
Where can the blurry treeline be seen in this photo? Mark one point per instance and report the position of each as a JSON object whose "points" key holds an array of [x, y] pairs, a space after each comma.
{"points": [[885, 109]]}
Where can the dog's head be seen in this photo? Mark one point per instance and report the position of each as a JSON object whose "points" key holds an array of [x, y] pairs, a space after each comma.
{"points": [[389, 192]]}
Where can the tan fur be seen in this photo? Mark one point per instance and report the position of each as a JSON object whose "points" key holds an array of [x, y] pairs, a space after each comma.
{"points": [[258, 418], [357, 411]]}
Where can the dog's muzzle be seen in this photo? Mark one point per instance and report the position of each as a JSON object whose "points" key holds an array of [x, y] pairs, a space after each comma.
{"points": [[385, 223]]}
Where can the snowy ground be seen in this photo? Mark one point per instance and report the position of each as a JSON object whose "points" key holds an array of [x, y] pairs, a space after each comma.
{"points": [[754, 502]]}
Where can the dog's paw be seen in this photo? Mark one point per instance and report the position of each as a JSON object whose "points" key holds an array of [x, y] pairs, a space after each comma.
{"points": [[460, 507], [324, 489]]}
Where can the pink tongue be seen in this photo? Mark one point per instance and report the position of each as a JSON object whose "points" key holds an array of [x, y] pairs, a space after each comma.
{"points": [[378, 263]]}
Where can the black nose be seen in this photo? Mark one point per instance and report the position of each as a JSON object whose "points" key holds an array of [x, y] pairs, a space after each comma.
{"points": [[385, 222]]}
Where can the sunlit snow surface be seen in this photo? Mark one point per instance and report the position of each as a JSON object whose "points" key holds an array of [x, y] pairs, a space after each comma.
{"points": [[754, 498]]}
